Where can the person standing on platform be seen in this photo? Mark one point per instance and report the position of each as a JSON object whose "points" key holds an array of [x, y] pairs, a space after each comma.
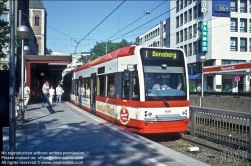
{"points": [[59, 92], [26, 94], [88, 92], [51, 93], [45, 91]]}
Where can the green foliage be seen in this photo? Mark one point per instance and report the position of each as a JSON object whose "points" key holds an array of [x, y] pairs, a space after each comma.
{"points": [[191, 86], [4, 31], [100, 48]]}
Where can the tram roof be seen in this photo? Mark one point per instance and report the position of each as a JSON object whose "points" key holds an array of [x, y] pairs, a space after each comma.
{"points": [[122, 52]]}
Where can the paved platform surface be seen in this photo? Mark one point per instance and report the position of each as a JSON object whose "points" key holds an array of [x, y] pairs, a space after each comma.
{"points": [[67, 135]]}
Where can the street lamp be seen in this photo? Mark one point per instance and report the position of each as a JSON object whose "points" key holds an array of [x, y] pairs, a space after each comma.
{"points": [[202, 60], [23, 32], [26, 51], [145, 13]]}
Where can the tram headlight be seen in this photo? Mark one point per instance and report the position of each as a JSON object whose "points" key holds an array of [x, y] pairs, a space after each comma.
{"points": [[149, 114]]}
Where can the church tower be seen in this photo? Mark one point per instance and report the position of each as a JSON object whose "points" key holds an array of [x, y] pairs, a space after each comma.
{"points": [[38, 21]]}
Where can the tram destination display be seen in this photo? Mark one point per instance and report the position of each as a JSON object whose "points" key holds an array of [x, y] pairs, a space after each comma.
{"points": [[161, 54]]}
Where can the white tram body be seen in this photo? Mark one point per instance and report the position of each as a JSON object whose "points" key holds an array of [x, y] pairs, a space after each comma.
{"points": [[141, 89]]}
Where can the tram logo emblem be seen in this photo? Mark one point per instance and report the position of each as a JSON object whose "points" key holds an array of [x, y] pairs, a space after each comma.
{"points": [[124, 115]]}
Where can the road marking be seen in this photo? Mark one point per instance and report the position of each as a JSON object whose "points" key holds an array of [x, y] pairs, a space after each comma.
{"points": [[155, 162]]}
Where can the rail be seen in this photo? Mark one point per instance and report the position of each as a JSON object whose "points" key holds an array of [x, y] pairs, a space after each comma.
{"points": [[225, 127]]}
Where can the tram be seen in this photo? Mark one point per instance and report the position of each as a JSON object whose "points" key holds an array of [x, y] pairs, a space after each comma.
{"points": [[141, 89]]}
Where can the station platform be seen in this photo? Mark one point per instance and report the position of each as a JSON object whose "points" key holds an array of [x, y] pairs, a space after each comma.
{"points": [[67, 135]]}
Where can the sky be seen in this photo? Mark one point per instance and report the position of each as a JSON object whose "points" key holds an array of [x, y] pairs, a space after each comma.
{"points": [[89, 22]]}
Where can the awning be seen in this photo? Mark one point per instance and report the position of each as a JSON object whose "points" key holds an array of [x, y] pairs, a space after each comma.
{"points": [[195, 76]]}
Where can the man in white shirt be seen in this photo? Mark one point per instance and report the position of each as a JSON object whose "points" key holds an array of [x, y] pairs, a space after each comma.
{"points": [[160, 86], [45, 91], [26, 94]]}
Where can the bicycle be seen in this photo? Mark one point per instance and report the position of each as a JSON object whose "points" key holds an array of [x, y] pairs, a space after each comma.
{"points": [[20, 111]]}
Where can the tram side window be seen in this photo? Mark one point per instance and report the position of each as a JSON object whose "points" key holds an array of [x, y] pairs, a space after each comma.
{"points": [[87, 88], [101, 85], [111, 85], [76, 87], [125, 89], [135, 86]]}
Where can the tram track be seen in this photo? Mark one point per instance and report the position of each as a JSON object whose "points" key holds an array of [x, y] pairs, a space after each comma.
{"points": [[208, 152]]}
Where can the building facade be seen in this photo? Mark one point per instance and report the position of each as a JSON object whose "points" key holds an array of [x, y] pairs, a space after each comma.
{"points": [[158, 36], [38, 21], [218, 30]]}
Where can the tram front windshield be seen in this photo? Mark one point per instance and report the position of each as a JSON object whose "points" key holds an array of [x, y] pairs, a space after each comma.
{"points": [[164, 74]]}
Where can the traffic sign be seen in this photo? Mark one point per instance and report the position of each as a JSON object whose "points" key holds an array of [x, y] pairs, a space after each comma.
{"points": [[237, 78]]}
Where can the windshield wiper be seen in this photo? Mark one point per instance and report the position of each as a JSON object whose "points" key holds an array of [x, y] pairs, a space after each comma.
{"points": [[162, 98]]}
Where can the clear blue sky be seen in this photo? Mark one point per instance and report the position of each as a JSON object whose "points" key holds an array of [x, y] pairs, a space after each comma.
{"points": [[73, 20]]}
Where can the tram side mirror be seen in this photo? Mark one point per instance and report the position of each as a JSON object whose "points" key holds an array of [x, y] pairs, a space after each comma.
{"points": [[126, 75]]}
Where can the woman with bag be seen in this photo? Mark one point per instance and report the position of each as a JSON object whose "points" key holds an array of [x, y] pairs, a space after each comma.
{"points": [[59, 92]]}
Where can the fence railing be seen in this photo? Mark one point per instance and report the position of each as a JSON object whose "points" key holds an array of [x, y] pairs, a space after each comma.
{"points": [[226, 127]]}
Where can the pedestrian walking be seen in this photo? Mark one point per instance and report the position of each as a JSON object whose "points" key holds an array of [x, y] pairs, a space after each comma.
{"points": [[51, 93], [59, 92], [45, 91]]}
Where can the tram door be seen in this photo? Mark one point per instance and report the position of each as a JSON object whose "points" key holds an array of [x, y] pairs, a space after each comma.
{"points": [[80, 86], [93, 93]]}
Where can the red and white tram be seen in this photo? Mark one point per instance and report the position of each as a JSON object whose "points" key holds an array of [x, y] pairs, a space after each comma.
{"points": [[141, 89]]}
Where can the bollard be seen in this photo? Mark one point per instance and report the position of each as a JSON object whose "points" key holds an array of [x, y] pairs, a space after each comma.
{"points": [[192, 121]]}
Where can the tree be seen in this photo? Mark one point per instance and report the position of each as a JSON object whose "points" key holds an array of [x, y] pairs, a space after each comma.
{"points": [[4, 32], [100, 48], [191, 86], [48, 52]]}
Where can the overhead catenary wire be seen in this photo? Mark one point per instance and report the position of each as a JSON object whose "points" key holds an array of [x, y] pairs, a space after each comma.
{"points": [[98, 24], [137, 20]]}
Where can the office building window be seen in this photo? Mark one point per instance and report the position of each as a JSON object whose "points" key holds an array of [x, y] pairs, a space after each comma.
{"points": [[249, 6], [185, 34], [194, 48], [243, 6], [190, 49], [249, 44], [185, 49], [233, 6], [190, 13], [233, 26], [177, 5], [185, 3], [181, 19], [199, 10], [195, 30], [189, 2], [177, 21], [181, 35], [195, 12], [243, 25], [185, 17], [233, 44], [249, 26], [177, 37], [199, 47], [190, 32], [181, 4], [243, 44], [199, 28]]}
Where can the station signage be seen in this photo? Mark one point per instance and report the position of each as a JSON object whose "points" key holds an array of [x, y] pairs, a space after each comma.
{"points": [[204, 36]]}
